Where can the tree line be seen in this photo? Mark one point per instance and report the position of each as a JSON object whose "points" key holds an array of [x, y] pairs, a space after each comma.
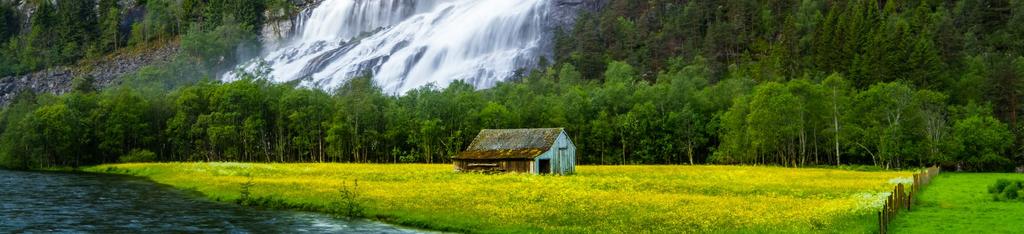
{"points": [[680, 119]]}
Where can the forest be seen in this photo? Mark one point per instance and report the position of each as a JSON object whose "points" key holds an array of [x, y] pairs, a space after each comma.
{"points": [[892, 84]]}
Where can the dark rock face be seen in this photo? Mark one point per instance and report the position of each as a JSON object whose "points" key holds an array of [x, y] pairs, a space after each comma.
{"points": [[107, 72], [280, 26], [562, 16], [304, 3], [564, 12]]}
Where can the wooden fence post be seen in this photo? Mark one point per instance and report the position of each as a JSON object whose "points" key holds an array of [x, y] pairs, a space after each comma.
{"points": [[881, 226], [901, 198]]}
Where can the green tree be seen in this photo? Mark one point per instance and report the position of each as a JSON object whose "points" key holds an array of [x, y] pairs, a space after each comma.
{"points": [[588, 55], [838, 92], [121, 123], [983, 143], [110, 34], [161, 22], [41, 49], [57, 135], [307, 113], [15, 151], [9, 21], [772, 132], [886, 123], [358, 120], [736, 144], [76, 28], [494, 116], [933, 116], [216, 49]]}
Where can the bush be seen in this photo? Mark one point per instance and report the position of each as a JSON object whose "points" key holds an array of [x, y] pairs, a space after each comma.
{"points": [[998, 187], [349, 203], [989, 162], [982, 142], [245, 197], [1007, 190], [138, 156], [861, 168]]}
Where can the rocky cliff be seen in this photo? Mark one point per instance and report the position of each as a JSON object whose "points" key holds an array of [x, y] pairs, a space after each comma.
{"points": [[566, 11], [106, 72]]}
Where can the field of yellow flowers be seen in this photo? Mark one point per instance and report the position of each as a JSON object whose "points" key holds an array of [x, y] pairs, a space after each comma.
{"points": [[622, 199]]}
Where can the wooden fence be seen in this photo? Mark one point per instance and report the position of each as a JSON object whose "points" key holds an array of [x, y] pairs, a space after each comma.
{"points": [[902, 198]]}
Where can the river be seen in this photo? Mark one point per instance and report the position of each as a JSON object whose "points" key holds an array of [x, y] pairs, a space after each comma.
{"points": [[96, 203]]}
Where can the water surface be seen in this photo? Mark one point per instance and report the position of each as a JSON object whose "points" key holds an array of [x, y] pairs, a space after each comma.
{"points": [[97, 203]]}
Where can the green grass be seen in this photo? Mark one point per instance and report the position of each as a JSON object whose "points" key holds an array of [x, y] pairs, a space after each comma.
{"points": [[960, 203], [602, 199]]}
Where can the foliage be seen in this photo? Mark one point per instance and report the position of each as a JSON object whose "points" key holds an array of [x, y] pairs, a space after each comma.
{"points": [[350, 203], [888, 125], [657, 199], [1007, 190], [12, 120], [245, 196], [680, 118], [218, 48], [90, 126], [65, 32], [958, 49], [138, 156], [982, 140]]}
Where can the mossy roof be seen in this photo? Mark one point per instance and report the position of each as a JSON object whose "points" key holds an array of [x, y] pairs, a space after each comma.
{"points": [[510, 143]]}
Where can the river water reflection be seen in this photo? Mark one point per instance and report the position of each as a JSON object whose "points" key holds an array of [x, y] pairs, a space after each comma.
{"points": [[96, 203]]}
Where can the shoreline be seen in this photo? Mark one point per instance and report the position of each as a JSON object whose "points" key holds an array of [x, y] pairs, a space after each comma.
{"points": [[150, 206], [262, 202]]}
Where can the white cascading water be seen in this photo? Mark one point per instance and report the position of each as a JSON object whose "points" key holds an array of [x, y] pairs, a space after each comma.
{"points": [[406, 44]]}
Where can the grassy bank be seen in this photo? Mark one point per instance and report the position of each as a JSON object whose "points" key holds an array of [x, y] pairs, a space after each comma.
{"points": [[960, 203], [667, 199]]}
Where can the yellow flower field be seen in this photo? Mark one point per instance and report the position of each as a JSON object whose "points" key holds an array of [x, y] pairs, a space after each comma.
{"points": [[618, 199]]}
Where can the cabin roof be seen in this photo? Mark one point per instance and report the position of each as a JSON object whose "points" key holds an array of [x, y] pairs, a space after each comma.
{"points": [[510, 143]]}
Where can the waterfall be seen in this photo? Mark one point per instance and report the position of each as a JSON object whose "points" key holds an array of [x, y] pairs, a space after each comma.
{"points": [[406, 44]]}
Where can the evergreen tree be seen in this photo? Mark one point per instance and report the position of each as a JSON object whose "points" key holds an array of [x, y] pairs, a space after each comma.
{"points": [[110, 24], [76, 28], [9, 21], [43, 44]]}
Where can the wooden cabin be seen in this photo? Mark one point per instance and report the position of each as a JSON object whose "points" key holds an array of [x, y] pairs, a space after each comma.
{"points": [[536, 151]]}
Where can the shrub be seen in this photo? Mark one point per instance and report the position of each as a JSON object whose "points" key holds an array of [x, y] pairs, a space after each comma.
{"points": [[1010, 192], [349, 203], [989, 162], [1007, 190], [245, 195], [982, 143], [861, 168], [137, 156], [998, 187]]}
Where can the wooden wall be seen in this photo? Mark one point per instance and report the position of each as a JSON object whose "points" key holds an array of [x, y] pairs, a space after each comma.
{"points": [[517, 165], [562, 155]]}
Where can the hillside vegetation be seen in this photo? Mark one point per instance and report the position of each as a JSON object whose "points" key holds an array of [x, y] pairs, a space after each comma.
{"points": [[65, 32], [794, 83]]}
